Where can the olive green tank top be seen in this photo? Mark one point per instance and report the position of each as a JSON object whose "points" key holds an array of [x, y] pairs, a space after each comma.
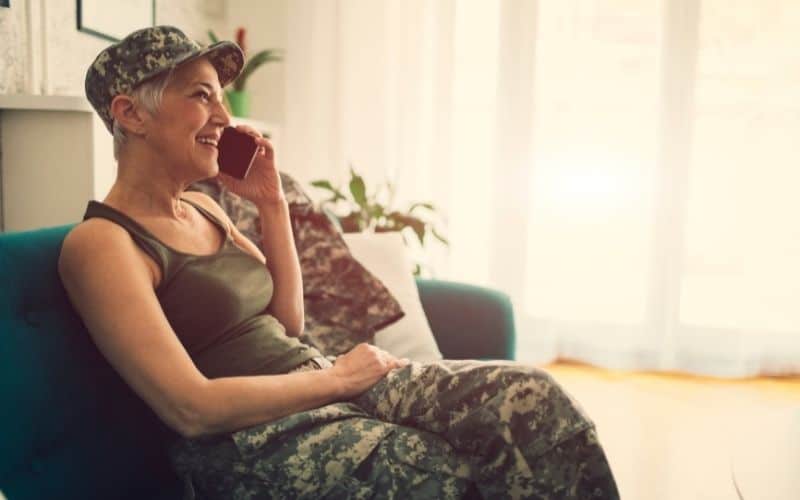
{"points": [[216, 304]]}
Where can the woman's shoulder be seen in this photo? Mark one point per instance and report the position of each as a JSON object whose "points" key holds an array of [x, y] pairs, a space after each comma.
{"points": [[98, 243], [95, 232]]}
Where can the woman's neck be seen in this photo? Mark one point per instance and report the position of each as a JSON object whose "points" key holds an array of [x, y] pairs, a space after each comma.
{"points": [[147, 199]]}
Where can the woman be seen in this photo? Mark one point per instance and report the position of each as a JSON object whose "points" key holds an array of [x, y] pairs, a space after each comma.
{"points": [[203, 326]]}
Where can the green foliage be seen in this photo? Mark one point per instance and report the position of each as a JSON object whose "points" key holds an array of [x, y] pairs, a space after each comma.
{"points": [[256, 61], [363, 210]]}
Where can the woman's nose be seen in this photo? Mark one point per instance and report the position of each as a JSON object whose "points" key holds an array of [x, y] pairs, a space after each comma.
{"points": [[220, 115]]}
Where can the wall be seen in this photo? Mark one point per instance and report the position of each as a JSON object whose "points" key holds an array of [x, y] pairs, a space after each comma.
{"points": [[292, 95], [12, 48], [266, 25], [67, 52]]}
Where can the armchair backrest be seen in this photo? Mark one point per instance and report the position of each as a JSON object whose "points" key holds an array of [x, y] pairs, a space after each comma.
{"points": [[71, 427]]}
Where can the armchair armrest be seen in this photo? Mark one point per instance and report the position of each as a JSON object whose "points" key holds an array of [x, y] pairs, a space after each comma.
{"points": [[468, 322]]}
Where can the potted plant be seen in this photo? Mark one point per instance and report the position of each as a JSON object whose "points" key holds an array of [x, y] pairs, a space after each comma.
{"points": [[237, 98], [373, 211]]}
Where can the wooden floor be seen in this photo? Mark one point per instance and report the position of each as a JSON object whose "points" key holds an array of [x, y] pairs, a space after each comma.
{"points": [[676, 437]]}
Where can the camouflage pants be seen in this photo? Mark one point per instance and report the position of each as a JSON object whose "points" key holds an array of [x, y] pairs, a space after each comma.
{"points": [[450, 429]]}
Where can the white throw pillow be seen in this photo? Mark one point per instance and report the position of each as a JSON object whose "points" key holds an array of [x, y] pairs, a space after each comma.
{"points": [[386, 256]]}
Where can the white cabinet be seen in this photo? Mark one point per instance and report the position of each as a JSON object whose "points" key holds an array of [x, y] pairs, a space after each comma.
{"points": [[56, 155]]}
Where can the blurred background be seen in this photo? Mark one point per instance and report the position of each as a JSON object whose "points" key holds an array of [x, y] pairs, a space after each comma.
{"points": [[625, 170]]}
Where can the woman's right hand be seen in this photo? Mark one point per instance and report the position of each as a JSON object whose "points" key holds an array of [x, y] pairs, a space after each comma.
{"points": [[363, 367]]}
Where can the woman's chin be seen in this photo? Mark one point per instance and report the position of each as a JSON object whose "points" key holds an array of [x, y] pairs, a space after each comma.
{"points": [[210, 165], [214, 170], [207, 170]]}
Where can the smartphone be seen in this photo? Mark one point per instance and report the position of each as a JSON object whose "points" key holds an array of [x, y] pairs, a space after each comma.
{"points": [[236, 152]]}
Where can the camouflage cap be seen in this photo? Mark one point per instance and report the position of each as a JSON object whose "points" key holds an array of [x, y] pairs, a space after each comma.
{"points": [[148, 52]]}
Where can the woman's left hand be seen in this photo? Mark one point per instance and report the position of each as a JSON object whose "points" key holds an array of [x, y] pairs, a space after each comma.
{"points": [[263, 183]]}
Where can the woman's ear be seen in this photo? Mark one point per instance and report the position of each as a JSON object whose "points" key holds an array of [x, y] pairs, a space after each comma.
{"points": [[128, 114]]}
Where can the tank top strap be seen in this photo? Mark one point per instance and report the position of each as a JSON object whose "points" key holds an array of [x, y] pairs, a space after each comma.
{"points": [[213, 218], [167, 260]]}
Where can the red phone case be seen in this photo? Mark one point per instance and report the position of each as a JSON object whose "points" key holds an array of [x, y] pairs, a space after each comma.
{"points": [[236, 152]]}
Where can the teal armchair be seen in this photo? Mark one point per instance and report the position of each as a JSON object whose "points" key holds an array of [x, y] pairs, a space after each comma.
{"points": [[71, 428]]}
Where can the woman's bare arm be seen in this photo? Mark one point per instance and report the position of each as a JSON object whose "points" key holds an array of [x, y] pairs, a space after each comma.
{"points": [[282, 261], [238, 402], [111, 287]]}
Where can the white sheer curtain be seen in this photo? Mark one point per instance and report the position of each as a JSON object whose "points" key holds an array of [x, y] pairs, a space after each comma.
{"points": [[626, 170]]}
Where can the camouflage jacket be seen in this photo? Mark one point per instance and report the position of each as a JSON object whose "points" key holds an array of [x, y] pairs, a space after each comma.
{"points": [[344, 303]]}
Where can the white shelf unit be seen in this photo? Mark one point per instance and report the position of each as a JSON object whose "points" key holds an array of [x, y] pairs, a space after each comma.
{"points": [[56, 155]]}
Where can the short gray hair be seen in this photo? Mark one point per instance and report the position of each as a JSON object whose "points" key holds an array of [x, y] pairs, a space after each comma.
{"points": [[149, 95]]}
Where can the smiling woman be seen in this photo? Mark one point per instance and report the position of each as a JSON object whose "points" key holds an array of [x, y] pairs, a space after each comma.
{"points": [[206, 334], [192, 92]]}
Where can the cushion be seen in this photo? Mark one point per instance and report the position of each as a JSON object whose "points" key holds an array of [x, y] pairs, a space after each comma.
{"points": [[386, 256], [344, 303]]}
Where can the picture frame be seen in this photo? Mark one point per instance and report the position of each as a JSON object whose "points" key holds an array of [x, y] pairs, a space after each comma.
{"points": [[113, 21]]}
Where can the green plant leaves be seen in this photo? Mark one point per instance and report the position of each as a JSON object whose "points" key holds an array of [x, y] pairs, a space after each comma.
{"points": [[368, 211], [376, 211], [358, 189], [212, 37], [256, 61], [439, 237], [400, 221], [415, 206], [337, 195]]}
